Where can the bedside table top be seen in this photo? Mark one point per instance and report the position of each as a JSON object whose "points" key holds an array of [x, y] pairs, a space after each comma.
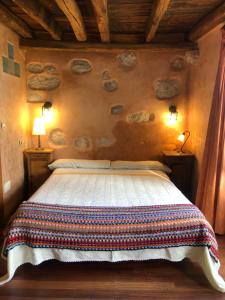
{"points": [[175, 153], [44, 150]]}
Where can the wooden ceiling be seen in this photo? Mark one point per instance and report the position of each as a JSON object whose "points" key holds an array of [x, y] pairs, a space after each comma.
{"points": [[111, 21]]}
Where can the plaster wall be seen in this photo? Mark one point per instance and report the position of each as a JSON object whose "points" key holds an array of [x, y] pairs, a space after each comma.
{"points": [[201, 85], [14, 118]]}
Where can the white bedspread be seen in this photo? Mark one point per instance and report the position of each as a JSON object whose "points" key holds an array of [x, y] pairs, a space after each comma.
{"points": [[88, 187]]}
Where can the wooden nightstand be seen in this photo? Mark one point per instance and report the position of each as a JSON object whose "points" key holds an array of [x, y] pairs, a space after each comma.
{"points": [[181, 165], [36, 167]]}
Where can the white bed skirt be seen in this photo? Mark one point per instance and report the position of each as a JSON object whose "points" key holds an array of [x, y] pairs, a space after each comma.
{"points": [[23, 254]]}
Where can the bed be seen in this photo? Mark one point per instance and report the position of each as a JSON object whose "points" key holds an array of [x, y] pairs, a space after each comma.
{"points": [[110, 212]]}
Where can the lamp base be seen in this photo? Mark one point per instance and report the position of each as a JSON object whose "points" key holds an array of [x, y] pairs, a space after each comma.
{"points": [[181, 151], [39, 144]]}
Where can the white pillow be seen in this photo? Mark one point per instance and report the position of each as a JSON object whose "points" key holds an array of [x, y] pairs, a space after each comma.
{"points": [[80, 163], [140, 165]]}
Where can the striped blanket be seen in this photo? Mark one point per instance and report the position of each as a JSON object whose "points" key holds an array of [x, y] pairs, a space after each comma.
{"points": [[84, 228]]}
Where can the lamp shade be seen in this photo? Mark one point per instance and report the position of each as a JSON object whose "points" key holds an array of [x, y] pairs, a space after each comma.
{"points": [[181, 137], [38, 127]]}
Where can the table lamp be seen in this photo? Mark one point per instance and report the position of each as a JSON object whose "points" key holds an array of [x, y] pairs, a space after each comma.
{"points": [[183, 137], [39, 129]]}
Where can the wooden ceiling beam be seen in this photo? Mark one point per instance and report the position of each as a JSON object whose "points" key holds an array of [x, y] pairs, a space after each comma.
{"points": [[73, 14], [207, 23], [13, 22], [37, 12], [101, 12], [158, 10], [100, 47]]}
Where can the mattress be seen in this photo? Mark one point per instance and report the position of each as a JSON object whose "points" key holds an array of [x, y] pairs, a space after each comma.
{"points": [[111, 188]]}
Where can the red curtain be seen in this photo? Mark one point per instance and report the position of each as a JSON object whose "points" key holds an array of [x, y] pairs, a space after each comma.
{"points": [[211, 188]]}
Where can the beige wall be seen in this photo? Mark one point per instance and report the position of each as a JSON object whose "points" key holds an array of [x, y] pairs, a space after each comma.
{"points": [[201, 84], [14, 114], [83, 106]]}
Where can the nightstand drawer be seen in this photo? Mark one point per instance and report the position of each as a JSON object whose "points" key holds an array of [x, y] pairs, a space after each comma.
{"points": [[38, 167], [39, 156], [37, 171], [178, 160]]}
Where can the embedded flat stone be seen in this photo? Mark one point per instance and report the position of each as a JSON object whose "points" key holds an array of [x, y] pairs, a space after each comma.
{"points": [[105, 141], [105, 75], [35, 68], [36, 97], [110, 85], [166, 89], [192, 57], [50, 69], [139, 117], [80, 66], [116, 109], [178, 64], [57, 137], [82, 143], [43, 82], [127, 60]]}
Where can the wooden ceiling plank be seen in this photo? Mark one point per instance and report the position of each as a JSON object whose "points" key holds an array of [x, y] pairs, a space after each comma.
{"points": [[101, 12], [40, 44], [73, 14], [38, 13], [13, 22], [207, 23], [158, 10]]}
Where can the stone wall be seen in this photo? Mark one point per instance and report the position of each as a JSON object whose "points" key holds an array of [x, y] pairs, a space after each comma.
{"points": [[108, 105]]}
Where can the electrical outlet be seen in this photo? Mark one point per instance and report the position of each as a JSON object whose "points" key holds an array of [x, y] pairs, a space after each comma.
{"points": [[7, 186]]}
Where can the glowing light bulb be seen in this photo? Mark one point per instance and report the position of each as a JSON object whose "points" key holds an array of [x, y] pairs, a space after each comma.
{"points": [[172, 119], [47, 112], [48, 115]]}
